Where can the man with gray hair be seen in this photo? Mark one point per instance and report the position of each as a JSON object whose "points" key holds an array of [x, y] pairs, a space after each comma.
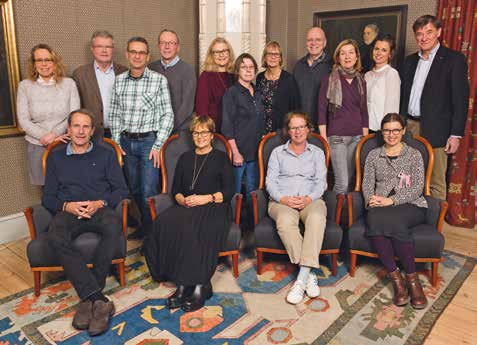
{"points": [[180, 77], [95, 80]]}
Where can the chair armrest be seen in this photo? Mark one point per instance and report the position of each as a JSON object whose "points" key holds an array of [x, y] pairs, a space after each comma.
{"points": [[122, 211], [334, 205], [259, 203], [436, 212], [356, 207], [159, 203], [38, 219], [236, 204]]}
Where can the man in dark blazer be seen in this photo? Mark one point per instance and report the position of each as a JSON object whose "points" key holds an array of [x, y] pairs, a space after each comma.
{"points": [[95, 80], [435, 96]]}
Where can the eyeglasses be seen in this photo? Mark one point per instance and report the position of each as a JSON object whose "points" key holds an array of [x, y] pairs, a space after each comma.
{"points": [[298, 128], [45, 61], [273, 55], [197, 134], [103, 47], [170, 43], [247, 68], [140, 53], [220, 52], [395, 131]]}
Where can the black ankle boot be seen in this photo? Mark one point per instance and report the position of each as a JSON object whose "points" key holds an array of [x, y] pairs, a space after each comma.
{"points": [[196, 301], [178, 298]]}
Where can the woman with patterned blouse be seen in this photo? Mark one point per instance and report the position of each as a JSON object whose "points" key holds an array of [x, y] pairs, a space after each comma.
{"points": [[393, 183], [278, 88]]}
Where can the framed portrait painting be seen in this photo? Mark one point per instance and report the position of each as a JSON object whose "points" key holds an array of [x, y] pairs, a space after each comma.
{"points": [[362, 25], [9, 71]]}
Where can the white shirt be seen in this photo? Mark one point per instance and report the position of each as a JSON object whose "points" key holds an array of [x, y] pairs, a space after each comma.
{"points": [[105, 83], [383, 87]]}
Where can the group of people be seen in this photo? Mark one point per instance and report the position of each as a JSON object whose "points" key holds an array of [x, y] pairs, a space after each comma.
{"points": [[140, 106]]}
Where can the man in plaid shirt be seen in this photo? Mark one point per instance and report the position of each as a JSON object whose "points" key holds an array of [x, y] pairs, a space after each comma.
{"points": [[141, 120]]}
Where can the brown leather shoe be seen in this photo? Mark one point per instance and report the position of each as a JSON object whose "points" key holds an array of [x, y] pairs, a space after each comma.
{"points": [[83, 315], [401, 296], [102, 313], [418, 299]]}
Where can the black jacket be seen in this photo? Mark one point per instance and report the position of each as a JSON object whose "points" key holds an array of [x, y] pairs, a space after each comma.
{"points": [[287, 97], [445, 96]]}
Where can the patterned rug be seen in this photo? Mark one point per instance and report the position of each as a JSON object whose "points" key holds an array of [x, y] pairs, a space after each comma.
{"points": [[248, 310]]}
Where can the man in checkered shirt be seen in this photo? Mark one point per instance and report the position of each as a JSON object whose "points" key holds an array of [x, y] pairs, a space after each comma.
{"points": [[141, 120]]}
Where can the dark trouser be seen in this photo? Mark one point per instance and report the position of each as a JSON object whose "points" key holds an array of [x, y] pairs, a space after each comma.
{"points": [[63, 230]]}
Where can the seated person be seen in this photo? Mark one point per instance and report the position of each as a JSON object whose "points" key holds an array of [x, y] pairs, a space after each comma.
{"points": [[393, 183], [296, 181], [84, 182], [186, 239]]}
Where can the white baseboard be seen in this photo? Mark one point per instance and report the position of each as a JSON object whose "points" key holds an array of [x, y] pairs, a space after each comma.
{"points": [[13, 227]]}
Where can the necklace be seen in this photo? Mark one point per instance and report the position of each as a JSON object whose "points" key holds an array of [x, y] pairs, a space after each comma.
{"points": [[194, 176]]}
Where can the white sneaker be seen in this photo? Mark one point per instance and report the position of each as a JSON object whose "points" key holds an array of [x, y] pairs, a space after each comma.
{"points": [[312, 289], [295, 295]]}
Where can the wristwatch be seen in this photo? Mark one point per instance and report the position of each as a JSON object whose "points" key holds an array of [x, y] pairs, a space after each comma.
{"points": [[213, 198], [105, 203]]}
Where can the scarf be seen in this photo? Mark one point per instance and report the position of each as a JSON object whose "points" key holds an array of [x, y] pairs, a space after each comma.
{"points": [[334, 94]]}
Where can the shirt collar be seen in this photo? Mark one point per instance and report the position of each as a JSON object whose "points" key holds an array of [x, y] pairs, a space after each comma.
{"points": [[42, 81], [70, 152], [287, 145], [109, 70], [244, 89], [170, 64], [317, 61], [145, 74], [432, 53]]}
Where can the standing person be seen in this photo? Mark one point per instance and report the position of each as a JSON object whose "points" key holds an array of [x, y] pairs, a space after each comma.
{"points": [[296, 181], [435, 96], [310, 70], [180, 77], [243, 123], [278, 88], [141, 119], [216, 77], [343, 111], [95, 80], [370, 36], [187, 238], [82, 199], [44, 101], [394, 207], [383, 84]]}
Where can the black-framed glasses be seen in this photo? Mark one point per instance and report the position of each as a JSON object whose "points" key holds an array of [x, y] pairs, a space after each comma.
{"points": [[220, 52], [298, 128], [140, 53], [273, 54], [395, 131], [167, 43], [197, 134]]}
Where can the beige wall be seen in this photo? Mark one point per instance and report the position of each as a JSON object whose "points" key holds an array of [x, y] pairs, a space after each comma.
{"points": [[67, 25], [289, 27]]}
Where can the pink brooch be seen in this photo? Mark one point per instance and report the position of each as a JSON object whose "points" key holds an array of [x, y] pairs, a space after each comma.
{"points": [[405, 179]]}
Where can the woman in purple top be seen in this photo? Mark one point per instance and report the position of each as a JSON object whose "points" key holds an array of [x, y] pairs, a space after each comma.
{"points": [[342, 111], [216, 77]]}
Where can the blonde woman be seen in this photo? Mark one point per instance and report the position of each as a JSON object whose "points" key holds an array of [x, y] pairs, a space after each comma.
{"points": [[216, 77], [278, 88], [44, 101], [343, 112]]}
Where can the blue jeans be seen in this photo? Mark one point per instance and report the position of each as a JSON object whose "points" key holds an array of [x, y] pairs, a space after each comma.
{"points": [[250, 169], [142, 177]]}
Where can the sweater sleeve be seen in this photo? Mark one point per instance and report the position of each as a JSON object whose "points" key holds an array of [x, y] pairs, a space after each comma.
{"points": [[228, 114], [24, 115], [364, 108], [202, 96], [188, 86], [392, 91], [50, 199], [323, 101], [369, 177], [227, 177], [115, 176], [177, 182]]}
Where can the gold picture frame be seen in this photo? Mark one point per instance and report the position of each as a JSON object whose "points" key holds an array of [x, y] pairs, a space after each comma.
{"points": [[9, 71]]}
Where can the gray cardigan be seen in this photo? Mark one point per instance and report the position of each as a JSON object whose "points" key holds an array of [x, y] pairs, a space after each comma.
{"points": [[381, 176]]}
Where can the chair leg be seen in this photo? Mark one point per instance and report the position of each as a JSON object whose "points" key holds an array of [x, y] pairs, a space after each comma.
{"points": [[259, 261], [352, 265], [235, 258], [121, 272], [37, 282], [334, 264], [434, 276]]}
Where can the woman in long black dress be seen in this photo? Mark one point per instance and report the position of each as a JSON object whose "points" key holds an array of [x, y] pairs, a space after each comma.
{"points": [[186, 238]]}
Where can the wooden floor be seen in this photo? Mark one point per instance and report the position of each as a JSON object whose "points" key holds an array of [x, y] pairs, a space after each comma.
{"points": [[457, 325]]}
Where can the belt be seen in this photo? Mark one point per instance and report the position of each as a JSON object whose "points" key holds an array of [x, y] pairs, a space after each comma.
{"points": [[414, 118], [137, 135]]}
